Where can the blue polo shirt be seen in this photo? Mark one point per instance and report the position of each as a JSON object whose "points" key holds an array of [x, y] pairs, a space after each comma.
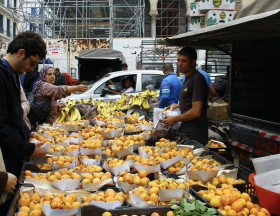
{"points": [[169, 90]]}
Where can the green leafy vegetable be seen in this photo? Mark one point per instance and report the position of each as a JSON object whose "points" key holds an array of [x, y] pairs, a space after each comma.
{"points": [[191, 207]]}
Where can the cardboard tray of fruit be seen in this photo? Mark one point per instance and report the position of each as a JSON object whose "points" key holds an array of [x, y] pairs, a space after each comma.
{"points": [[92, 210], [33, 168]]}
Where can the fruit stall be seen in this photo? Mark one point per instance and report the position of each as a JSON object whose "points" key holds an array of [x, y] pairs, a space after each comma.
{"points": [[105, 159]]}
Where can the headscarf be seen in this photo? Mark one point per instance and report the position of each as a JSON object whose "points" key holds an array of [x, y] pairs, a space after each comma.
{"points": [[43, 73]]}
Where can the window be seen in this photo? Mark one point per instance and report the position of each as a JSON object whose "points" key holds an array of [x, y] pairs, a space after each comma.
{"points": [[40, 27], [118, 81], [33, 10], [151, 79], [41, 11], [14, 29], [15, 3], [8, 28], [1, 23]]}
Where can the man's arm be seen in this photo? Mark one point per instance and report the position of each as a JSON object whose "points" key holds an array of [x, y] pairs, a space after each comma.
{"points": [[212, 93], [193, 113], [164, 94]]}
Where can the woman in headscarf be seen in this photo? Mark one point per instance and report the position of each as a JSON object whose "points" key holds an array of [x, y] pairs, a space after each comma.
{"points": [[46, 90]]}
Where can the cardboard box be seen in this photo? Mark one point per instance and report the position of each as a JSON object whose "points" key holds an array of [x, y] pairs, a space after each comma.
{"points": [[206, 5], [218, 112], [215, 17], [195, 9], [196, 23]]}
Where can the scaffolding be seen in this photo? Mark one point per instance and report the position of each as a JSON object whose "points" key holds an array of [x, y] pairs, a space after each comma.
{"points": [[171, 19], [83, 18]]}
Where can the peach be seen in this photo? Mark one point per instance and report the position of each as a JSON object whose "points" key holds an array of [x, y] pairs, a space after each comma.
{"points": [[261, 214], [106, 214], [231, 213], [35, 212], [215, 202], [233, 199], [245, 196], [246, 210], [143, 173], [154, 198], [249, 205], [243, 201], [237, 206], [210, 196], [227, 208], [23, 202], [224, 200], [264, 210], [25, 209], [219, 192], [170, 213], [154, 214], [68, 199], [254, 211], [257, 206], [35, 197]]}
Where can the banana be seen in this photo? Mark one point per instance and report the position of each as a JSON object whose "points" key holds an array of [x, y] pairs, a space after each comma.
{"points": [[62, 117], [78, 115]]}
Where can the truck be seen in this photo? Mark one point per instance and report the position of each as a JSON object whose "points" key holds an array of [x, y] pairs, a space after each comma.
{"points": [[253, 80]]}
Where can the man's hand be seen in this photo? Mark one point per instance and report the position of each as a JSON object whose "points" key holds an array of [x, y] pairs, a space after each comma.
{"points": [[61, 105], [32, 134], [37, 151], [169, 120], [211, 100], [11, 183]]}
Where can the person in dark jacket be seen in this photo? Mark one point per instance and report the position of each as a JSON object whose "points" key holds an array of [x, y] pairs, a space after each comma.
{"points": [[59, 78], [24, 52], [28, 80]]}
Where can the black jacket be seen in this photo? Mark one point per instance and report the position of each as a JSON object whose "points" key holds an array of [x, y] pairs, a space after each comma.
{"points": [[13, 131], [59, 80]]}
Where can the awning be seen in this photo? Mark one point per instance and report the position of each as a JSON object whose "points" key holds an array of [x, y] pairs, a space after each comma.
{"points": [[101, 53], [255, 27]]}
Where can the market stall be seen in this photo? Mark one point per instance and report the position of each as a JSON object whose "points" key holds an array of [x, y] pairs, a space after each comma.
{"points": [[105, 159]]}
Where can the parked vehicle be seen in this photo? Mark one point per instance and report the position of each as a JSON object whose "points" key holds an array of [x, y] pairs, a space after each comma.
{"points": [[142, 79]]}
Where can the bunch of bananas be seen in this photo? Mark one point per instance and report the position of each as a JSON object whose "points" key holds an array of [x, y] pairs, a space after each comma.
{"points": [[145, 103], [74, 115], [149, 93], [106, 109], [121, 101]]}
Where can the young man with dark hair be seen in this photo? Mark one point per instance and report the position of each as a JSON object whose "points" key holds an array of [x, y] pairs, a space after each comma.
{"points": [[59, 78], [24, 52], [193, 99], [170, 87]]}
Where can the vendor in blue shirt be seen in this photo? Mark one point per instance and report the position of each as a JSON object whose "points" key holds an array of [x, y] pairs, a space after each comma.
{"points": [[170, 87], [209, 83]]}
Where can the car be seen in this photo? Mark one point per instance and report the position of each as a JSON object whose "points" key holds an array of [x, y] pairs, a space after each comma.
{"points": [[143, 78]]}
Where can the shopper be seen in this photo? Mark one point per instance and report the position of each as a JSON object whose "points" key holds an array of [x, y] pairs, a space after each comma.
{"points": [[170, 87], [29, 80], [47, 91], [59, 78], [24, 52], [209, 83], [193, 99]]}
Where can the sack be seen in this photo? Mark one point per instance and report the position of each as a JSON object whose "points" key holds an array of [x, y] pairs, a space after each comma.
{"points": [[39, 111]]}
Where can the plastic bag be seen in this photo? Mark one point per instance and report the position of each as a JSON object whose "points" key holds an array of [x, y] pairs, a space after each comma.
{"points": [[160, 131], [172, 112], [83, 108], [91, 114]]}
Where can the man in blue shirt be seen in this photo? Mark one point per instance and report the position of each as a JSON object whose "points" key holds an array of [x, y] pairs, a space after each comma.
{"points": [[170, 87], [209, 83]]}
